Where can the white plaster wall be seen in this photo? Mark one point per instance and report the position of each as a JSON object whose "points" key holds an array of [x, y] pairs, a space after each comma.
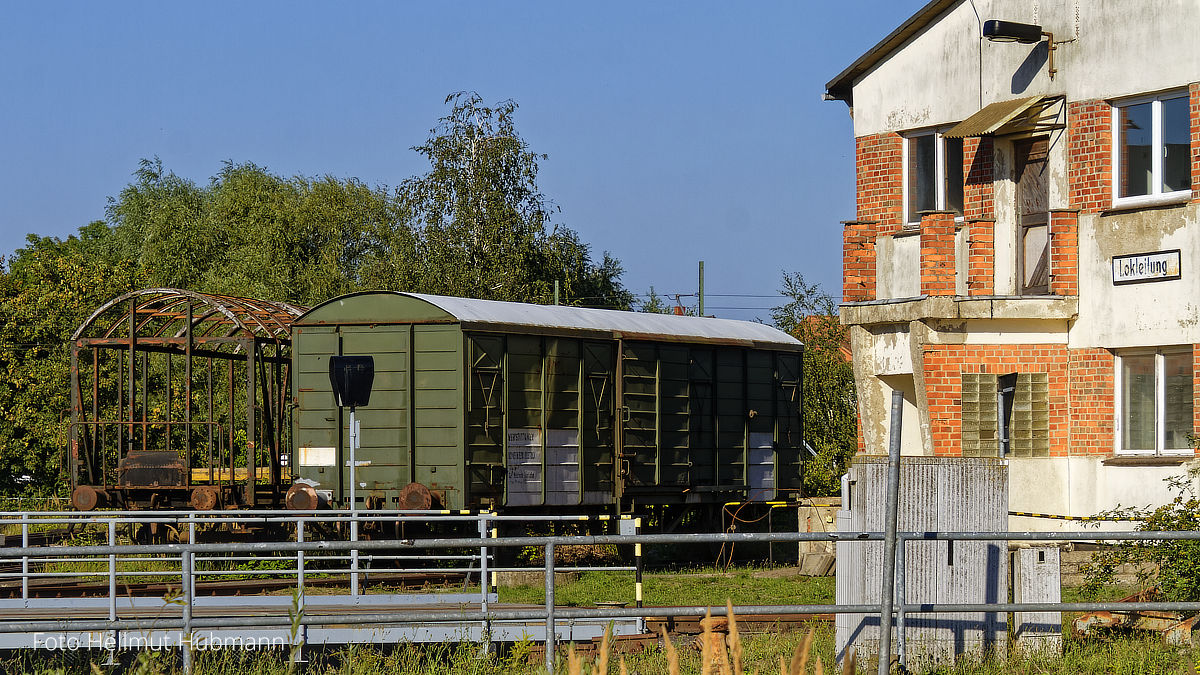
{"points": [[1004, 232], [1106, 49], [961, 259], [884, 365], [1001, 332], [897, 266], [1145, 314], [910, 416], [892, 353], [1083, 486]]}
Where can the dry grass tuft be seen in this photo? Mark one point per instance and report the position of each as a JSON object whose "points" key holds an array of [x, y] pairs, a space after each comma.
{"points": [[672, 655], [735, 640], [799, 664], [718, 654]]}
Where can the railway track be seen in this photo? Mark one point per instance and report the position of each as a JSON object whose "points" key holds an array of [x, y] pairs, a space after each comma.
{"points": [[53, 588]]}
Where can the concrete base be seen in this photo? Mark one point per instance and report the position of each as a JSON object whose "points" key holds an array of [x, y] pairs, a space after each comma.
{"points": [[817, 564]]}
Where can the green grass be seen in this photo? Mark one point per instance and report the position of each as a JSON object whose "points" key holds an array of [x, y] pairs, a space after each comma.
{"points": [[762, 654], [1123, 656], [747, 586], [1103, 594], [1116, 654]]}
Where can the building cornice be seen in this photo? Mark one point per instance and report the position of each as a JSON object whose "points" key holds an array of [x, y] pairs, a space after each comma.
{"points": [[904, 310]]}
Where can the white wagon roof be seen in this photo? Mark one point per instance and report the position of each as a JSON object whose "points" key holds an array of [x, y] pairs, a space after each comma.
{"points": [[495, 315]]}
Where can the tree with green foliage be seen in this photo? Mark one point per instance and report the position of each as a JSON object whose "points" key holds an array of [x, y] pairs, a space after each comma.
{"points": [[829, 407], [255, 234], [47, 289], [482, 226], [476, 225]]}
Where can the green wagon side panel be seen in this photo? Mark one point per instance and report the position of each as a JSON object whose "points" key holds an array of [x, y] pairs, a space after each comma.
{"points": [[438, 410], [316, 419], [384, 421]]}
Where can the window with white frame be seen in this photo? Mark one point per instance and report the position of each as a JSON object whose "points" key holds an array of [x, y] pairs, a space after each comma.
{"points": [[1154, 402], [1152, 148], [933, 175]]}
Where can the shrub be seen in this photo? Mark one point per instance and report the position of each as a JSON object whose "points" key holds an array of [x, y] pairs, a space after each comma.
{"points": [[1173, 564]]}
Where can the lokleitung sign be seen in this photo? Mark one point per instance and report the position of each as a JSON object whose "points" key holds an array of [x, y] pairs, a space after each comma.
{"points": [[1141, 267]]}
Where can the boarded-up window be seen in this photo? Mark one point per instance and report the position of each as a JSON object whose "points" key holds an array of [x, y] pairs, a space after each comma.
{"points": [[1033, 215], [1024, 416]]}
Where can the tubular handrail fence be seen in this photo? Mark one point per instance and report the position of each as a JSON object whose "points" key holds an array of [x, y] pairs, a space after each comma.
{"points": [[302, 551]]}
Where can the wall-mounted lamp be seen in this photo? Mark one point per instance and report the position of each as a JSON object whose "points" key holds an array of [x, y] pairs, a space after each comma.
{"points": [[1023, 33]]}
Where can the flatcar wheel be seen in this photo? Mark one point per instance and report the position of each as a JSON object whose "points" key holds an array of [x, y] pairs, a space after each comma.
{"points": [[415, 497]]}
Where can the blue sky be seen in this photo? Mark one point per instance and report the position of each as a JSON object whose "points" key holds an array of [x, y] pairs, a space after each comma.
{"points": [[676, 131]]}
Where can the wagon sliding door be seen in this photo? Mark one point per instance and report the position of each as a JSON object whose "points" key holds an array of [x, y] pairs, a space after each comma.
{"points": [[485, 417], [656, 415], [789, 444], [545, 383], [525, 459], [596, 435]]}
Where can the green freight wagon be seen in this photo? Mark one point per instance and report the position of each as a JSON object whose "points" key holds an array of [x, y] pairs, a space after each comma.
{"points": [[480, 404]]}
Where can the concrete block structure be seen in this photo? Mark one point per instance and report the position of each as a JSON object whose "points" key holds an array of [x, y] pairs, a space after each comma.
{"points": [[1023, 261]]}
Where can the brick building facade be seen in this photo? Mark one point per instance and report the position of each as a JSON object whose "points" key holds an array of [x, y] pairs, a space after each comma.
{"points": [[1022, 264]]}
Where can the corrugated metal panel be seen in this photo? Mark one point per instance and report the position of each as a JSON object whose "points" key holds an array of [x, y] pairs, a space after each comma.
{"points": [[936, 494], [1017, 115], [495, 315], [1037, 578]]}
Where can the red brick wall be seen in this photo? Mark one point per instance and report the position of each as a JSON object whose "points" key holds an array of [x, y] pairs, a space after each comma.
{"points": [[981, 257], [1194, 106], [1081, 382], [937, 253], [979, 192], [945, 364], [879, 172], [1091, 401], [1089, 154], [858, 260], [1064, 252]]}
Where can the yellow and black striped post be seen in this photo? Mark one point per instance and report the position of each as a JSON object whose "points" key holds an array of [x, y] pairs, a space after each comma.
{"points": [[637, 563], [495, 578]]}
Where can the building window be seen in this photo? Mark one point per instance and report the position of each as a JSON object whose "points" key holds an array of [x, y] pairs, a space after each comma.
{"points": [[933, 175], [1005, 415], [1154, 402], [1152, 148], [1033, 214]]}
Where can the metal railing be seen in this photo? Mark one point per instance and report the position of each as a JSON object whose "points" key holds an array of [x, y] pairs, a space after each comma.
{"points": [[305, 551], [349, 557]]}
